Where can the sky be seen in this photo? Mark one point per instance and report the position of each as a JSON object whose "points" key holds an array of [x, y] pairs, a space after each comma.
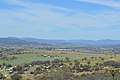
{"points": [[60, 19]]}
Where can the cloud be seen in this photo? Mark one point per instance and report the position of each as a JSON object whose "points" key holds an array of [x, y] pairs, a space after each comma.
{"points": [[44, 20], [32, 5], [36, 14], [109, 3]]}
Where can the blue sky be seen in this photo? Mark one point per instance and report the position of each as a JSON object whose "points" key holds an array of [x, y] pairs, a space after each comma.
{"points": [[60, 19]]}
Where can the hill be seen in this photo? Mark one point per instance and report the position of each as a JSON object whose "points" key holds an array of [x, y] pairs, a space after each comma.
{"points": [[85, 42], [12, 41]]}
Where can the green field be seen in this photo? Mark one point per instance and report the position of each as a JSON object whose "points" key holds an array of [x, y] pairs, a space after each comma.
{"points": [[36, 56]]}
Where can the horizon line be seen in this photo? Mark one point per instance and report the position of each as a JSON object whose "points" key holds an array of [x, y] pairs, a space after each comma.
{"points": [[58, 39]]}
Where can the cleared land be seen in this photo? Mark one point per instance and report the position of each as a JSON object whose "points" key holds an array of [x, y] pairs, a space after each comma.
{"points": [[38, 55]]}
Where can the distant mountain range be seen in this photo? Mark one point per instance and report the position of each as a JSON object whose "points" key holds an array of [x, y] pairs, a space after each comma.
{"points": [[84, 42], [14, 40]]}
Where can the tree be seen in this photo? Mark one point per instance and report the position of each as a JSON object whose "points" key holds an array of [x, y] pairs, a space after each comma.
{"points": [[20, 69], [0, 65], [85, 58], [113, 72], [92, 57], [67, 59], [86, 68], [88, 62], [4, 64], [97, 64], [37, 71], [76, 65], [56, 61], [9, 65], [16, 77], [102, 59], [111, 57]]}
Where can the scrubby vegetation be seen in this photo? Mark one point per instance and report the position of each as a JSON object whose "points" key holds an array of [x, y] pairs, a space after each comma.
{"points": [[34, 64]]}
